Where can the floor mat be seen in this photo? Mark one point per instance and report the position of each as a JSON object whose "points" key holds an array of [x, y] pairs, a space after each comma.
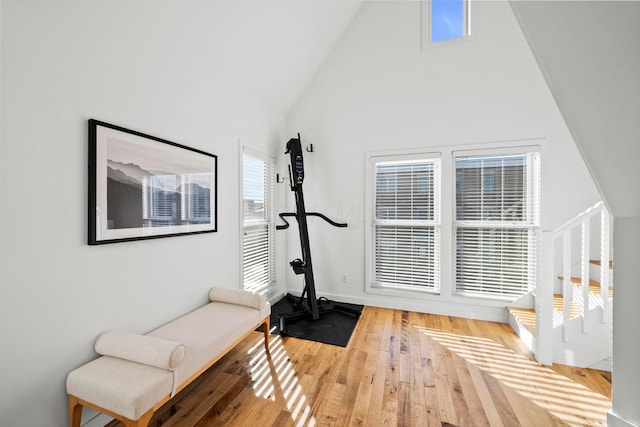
{"points": [[333, 327]]}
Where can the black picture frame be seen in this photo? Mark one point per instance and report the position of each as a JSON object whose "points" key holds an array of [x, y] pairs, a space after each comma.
{"points": [[145, 187]]}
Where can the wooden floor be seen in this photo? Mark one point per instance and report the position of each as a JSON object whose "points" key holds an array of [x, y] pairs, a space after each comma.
{"points": [[400, 368]]}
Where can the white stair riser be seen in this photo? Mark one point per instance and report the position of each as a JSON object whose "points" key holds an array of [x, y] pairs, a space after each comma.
{"points": [[583, 349]]}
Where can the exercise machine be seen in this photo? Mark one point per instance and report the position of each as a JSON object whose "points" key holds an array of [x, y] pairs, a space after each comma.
{"points": [[307, 305]]}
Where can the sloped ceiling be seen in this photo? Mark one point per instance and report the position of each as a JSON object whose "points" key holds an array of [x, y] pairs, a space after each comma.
{"points": [[277, 46], [589, 53]]}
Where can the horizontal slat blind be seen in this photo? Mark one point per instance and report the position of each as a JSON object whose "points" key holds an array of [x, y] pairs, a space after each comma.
{"points": [[405, 191], [493, 261], [496, 224], [407, 256], [257, 266], [257, 243], [407, 228], [254, 180]]}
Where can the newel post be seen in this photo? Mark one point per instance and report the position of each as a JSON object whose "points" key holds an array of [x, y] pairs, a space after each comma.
{"points": [[544, 301]]}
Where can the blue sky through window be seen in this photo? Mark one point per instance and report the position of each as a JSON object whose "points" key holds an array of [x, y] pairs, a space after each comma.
{"points": [[447, 19]]}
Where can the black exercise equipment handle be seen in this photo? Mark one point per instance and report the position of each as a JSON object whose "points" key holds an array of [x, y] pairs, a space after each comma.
{"points": [[286, 223]]}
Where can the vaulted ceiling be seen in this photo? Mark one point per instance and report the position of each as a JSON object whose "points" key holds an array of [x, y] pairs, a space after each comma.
{"points": [[275, 47], [589, 53]]}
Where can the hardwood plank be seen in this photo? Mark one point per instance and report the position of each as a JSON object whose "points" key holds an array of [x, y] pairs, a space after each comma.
{"points": [[417, 395], [441, 358], [329, 408], [469, 395], [354, 367], [400, 368], [378, 390]]}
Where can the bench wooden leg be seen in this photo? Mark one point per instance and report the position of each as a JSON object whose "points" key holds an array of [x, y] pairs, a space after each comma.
{"points": [[75, 412], [267, 325], [143, 421], [75, 415]]}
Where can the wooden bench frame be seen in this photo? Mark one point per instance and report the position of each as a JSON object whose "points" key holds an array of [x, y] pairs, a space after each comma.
{"points": [[76, 404]]}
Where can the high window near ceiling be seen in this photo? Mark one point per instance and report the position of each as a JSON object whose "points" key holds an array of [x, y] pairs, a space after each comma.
{"points": [[445, 20], [258, 256]]}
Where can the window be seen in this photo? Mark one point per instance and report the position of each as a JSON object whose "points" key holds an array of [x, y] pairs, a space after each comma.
{"points": [[406, 223], [496, 224], [445, 20], [258, 232]]}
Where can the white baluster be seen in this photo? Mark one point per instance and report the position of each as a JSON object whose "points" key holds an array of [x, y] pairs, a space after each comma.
{"points": [[566, 283], [585, 272], [605, 273]]}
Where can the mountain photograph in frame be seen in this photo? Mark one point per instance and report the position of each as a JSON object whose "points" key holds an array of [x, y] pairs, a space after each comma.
{"points": [[144, 187]]}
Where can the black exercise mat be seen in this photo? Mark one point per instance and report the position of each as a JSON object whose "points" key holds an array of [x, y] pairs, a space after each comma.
{"points": [[333, 327]]}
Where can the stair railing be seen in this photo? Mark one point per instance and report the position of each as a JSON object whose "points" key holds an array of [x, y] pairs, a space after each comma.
{"points": [[545, 319]]}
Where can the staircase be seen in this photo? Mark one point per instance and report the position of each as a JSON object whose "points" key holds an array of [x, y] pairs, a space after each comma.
{"points": [[567, 318]]}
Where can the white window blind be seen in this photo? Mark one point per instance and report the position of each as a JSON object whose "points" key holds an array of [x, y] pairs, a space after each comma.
{"points": [[496, 223], [407, 224], [257, 241]]}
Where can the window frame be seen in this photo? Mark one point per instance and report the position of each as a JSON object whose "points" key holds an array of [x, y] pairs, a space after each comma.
{"points": [[373, 159], [532, 223], [459, 303], [470, 14], [270, 288]]}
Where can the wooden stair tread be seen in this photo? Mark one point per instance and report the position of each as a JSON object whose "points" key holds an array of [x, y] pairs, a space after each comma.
{"points": [[594, 285], [598, 262], [527, 316], [575, 309]]}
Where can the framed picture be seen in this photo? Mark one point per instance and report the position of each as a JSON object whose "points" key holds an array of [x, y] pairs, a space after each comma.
{"points": [[144, 187]]}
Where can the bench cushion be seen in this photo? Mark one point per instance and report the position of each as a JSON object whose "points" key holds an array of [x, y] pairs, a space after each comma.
{"points": [[237, 296], [151, 351], [121, 386], [206, 333]]}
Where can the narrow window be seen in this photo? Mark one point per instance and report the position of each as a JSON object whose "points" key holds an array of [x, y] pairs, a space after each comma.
{"points": [[258, 233], [446, 19], [496, 224], [406, 225]]}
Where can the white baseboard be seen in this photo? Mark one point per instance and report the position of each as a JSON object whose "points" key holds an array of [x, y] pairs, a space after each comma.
{"points": [[615, 421], [444, 308]]}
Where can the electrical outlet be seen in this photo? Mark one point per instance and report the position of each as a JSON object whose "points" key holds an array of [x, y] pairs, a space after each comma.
{"points": [[343, 277]]}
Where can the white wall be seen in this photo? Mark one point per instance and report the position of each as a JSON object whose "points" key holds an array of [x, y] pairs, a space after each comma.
{"points": [[379, 91], [626, 318], [201, 73]]}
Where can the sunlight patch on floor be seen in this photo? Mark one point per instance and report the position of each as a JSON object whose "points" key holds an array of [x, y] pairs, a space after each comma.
{"points": [[274, 378], [561, 397]]}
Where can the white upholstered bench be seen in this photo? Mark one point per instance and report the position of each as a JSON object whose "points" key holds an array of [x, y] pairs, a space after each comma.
{"points": [[137, 374]]}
